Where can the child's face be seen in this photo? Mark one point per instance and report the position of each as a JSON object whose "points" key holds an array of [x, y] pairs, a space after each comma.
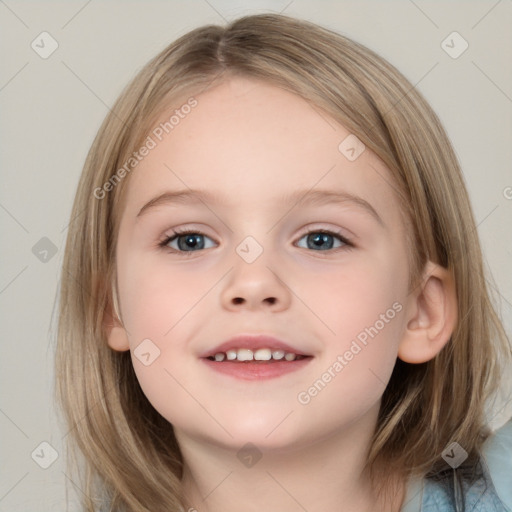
{"points": [[251, 145]]}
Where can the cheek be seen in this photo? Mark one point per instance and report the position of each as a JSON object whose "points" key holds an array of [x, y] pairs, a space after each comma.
{"points": [[356, 365], [162, 306], [160, 310], [156, 297], [362, 310], [355, 297]]}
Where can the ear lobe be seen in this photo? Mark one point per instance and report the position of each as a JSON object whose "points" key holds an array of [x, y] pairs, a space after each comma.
{"points": [[117, 338], [432, 316]]}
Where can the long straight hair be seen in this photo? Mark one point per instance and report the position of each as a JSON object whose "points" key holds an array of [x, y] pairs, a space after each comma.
{"points": [[131, 460]]}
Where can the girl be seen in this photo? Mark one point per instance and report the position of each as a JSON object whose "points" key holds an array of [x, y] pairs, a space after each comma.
{"points": [[273, 293]]}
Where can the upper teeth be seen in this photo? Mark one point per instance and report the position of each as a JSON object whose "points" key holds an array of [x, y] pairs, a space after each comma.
{"points": [[262, 354]]}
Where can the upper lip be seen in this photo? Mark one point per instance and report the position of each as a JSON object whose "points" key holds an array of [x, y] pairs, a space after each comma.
{"points": [[252, 342]]}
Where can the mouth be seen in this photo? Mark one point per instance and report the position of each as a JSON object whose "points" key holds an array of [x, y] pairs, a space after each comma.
{"points": [[255, 358], [261, 355]]}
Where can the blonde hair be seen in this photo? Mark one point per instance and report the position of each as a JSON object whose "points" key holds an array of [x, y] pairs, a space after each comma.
{"points": [[132, 460]]}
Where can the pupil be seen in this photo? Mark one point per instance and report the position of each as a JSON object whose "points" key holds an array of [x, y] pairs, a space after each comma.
{"points": [[320, 238], [191, 242]]}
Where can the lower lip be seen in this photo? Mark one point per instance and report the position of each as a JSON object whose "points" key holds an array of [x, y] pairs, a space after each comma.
{"points": [[260, 370]]}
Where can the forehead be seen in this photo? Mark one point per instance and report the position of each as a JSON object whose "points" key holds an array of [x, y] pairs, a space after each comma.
{"points": [[253, 143]]}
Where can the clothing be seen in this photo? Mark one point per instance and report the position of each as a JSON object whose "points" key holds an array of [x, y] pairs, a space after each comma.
{"points": [[490, 493]]}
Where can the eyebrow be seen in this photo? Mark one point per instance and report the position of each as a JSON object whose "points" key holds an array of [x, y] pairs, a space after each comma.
{"points": [[315, 197]]}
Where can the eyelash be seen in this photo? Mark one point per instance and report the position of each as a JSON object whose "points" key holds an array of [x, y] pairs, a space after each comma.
{"points": [[178, 232]]}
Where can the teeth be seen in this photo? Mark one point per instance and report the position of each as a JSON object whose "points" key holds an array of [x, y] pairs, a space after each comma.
{"points": [[244, 354], [231, 354], [278, 354], [262, 354]]}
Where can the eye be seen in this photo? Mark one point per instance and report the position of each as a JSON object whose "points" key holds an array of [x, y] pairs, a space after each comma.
{"points": [[324, 240], [187, 241]]}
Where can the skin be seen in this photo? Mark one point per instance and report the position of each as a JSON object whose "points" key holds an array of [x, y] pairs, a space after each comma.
{"points": [[250, 143]]}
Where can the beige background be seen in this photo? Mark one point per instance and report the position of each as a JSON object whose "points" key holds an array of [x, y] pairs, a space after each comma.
{"points": [[51, 109]]}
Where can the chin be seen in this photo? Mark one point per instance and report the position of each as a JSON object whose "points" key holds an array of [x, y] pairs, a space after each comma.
{"points": [[267, 431]]}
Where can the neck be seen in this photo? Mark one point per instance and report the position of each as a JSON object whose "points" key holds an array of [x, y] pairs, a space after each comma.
{"points": [[325, 475]]}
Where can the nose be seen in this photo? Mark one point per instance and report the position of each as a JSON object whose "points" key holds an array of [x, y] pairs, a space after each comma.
{"points": [[255, 286]]}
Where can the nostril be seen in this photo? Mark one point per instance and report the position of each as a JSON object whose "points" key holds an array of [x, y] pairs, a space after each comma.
{"points": [[241, 300]]}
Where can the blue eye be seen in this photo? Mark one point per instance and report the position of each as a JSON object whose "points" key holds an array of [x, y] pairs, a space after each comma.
{"points": [[323, 240], [189, 241]]}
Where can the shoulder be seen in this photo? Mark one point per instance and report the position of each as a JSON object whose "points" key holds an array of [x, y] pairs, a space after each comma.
{"points": [[492, 492], [497, 455]]}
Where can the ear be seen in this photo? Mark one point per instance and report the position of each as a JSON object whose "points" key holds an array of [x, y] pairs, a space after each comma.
{"points": [[431, 316], [116, 334]]}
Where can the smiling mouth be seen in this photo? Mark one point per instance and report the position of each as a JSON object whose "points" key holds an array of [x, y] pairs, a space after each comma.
{"points": [[261, 355]]}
